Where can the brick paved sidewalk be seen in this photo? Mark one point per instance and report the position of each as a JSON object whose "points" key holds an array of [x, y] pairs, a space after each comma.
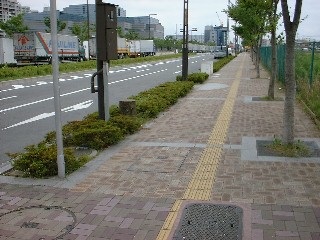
{"points": [[128, 190]]}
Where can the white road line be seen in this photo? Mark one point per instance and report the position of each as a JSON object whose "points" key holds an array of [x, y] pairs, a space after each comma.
{"points": [[7, 98], [42, 100], [75, 107]]}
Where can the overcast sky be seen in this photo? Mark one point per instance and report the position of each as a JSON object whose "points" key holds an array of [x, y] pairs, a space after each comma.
{"points": [[201, 13]]}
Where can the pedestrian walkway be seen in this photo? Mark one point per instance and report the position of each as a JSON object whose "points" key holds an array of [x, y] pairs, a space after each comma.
{"points": [[202, 150]]}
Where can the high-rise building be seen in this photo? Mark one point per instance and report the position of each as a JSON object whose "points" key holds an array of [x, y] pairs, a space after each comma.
{"points": [[82, 10], [141, 26], [10, 8]]}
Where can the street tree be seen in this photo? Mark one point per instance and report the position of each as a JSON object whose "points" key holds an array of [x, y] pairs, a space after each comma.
{"points": [[273, 19], [60, 24], [251, 18], [81, 30], [13, 25], [132, 35], [291, 28]]}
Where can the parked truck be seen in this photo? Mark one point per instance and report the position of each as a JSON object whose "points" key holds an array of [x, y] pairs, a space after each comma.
{"points": [[6, 51], [147, 48], [134, 48], [127, 48], [36, 48]]}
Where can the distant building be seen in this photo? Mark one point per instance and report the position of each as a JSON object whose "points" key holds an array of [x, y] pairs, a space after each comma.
{"points": [[217, 35], [79, 14], [193, 37], [10, 8], [141, 26], [35, 21]]}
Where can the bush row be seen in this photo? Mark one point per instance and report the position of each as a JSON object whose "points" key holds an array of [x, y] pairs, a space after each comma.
{"points": [[39, 161], [221, 62]]}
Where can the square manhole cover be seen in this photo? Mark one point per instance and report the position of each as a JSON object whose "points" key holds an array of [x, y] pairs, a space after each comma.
{"points": [[210, 222]]}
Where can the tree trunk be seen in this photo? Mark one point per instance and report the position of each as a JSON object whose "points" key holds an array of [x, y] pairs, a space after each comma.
{"points": [[273, 64], [258, 56], [290, 90], [291, 30]]}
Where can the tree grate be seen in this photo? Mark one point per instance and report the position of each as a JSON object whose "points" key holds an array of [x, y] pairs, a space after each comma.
{"points": [[210, 222]]}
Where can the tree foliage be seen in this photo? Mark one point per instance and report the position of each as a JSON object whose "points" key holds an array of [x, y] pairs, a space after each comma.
{"points": [[168, 44], [251, 17], [60, 24], [81, 30], [131, 35], [14, 25]]}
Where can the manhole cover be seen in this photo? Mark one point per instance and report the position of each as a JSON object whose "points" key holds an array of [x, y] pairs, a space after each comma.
{"points": [[210, 222], [41, 219]]}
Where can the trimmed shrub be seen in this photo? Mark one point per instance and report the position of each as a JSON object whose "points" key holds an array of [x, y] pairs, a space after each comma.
{"points": [[195, 77], [41, 161], [97, 138], [128, 124], [221, 62]]}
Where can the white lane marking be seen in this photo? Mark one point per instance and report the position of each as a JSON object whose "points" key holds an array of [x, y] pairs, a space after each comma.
{"points": [[18, 86], [26, 104], [7, 98], [78, 106], [75, 107], [42, 100], [41, 83], [36, 118]]}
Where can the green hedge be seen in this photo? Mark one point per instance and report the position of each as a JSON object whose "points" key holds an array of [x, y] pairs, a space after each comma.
{"points": [[91, 132], [221, 63]]}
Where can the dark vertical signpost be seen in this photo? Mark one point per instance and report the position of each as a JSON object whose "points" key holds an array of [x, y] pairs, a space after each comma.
{"points": [[185, 41], [106, 37]]}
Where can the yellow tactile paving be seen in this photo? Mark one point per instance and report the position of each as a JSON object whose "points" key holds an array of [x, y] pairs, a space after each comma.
{"points": [[200, 186]]}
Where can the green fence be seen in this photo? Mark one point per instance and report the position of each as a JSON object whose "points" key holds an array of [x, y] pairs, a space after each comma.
{"points": [[307, 71], [266, 60], [307, 63]]}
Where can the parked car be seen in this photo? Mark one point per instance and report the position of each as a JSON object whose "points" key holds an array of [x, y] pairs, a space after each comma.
{"points": [[220, 54]]}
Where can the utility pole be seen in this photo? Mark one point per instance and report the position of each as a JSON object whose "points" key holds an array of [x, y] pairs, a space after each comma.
{"points": [[151, 14], [56, 89], [185, 41], [88, 19], [106, 37]]}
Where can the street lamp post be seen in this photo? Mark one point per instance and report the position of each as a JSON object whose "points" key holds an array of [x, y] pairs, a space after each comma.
{"points": [[151, 14], [185, 41], [88, 29], [192, 30]]}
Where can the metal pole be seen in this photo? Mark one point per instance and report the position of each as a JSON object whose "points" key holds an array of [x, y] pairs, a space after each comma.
{"points": [[106, 89], [99, 67], [149, 26], [56, 88], [88, 19], [227, 43], [185, 41]]}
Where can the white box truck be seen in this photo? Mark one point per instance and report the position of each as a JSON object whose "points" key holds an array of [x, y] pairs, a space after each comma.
{"points": [[6, 51], [147, 48], [36, 48], [134, 48]]}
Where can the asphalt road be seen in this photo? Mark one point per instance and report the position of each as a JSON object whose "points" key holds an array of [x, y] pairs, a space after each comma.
{"points": [[27, 106]]}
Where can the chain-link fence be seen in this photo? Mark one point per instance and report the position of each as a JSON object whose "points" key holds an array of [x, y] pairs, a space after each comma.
{"points": [[307, 70], [307, 61]]}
